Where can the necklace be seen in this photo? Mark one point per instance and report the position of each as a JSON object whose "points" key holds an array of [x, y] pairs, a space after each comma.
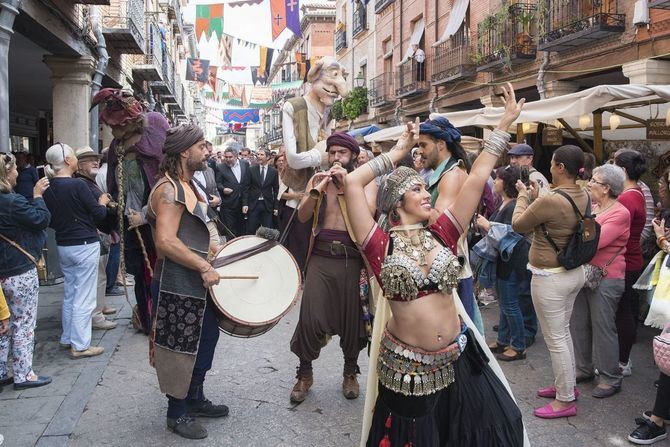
{"points": [[415, 246]]}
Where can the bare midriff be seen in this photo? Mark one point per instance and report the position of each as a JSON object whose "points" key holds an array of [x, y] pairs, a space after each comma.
{"points": [[430, 323]]}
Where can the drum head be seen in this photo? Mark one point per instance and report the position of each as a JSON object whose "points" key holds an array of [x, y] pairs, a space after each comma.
{"points": [[257, 301]]}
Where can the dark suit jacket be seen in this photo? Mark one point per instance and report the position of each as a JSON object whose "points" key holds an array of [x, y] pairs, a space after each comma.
{"points": [[226, 179], [268, 189]]}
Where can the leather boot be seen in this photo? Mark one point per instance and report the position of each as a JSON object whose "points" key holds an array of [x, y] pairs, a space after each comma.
{"points": [[301, 388], [350, 387]]}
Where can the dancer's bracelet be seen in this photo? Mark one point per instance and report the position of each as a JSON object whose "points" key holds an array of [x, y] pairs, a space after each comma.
{"points": [[497, 142], [381, 165]]}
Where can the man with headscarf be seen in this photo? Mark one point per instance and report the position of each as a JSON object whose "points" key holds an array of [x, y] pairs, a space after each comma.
{"points": [[133, 158], [442, 152], [186, 330], [331, 301]]}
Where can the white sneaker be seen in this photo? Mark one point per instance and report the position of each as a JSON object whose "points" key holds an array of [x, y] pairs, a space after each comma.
{"points": [[103, 324], [626, 369]]}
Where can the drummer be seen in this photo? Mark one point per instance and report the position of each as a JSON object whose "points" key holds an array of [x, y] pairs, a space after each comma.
{"points": [[186, 330], [331, 301]]}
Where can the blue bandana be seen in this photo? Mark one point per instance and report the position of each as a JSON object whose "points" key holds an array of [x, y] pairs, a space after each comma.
{"points": [[441, 129]]}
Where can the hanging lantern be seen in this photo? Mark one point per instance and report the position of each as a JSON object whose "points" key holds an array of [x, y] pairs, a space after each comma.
{"points": [[525, 127], [558, 124], [615, 121], [584, 121]]}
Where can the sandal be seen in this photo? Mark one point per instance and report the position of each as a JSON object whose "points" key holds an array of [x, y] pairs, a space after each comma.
{"points": [[518, 355], [497, 348]]}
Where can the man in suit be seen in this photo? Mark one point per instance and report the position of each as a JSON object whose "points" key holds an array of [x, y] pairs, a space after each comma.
{"points": [[231, 177], [259, 200]]}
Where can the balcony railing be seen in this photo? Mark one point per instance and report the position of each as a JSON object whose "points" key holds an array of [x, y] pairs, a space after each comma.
{"points": [[123, 26], [149, 69], [659, 4], [340, 39], [92, 2], [381, 5], [381, 90], [506, 38], [360, 19], [411, 79], [574, 23], [452, 62]]}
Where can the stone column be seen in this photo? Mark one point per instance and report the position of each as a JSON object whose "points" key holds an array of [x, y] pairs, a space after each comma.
{"points": [[71, 98], [560, 88], [647, 71], [9, 9]]}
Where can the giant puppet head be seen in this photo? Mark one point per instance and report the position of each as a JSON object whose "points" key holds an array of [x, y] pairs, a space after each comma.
{"points": [[328, 80]]}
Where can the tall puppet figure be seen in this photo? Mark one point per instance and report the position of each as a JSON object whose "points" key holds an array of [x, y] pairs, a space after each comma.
{"points": [[304, 122], [134, 156]]}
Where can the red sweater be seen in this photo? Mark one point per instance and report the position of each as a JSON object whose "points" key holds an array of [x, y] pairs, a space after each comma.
{"points": [[614, 233], [633, 200]]}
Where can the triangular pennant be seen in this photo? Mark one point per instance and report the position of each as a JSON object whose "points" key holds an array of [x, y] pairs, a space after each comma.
{"points": [[277, 17]]}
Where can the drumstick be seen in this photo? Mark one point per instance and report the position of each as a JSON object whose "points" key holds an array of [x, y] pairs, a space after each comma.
{"points": [[238, 277]]}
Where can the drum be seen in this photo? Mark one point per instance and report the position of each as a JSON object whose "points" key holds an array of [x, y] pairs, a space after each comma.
{"points": [[251, 307]]}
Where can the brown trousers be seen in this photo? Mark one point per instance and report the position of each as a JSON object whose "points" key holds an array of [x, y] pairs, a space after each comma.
{"points": [[330, 306]]}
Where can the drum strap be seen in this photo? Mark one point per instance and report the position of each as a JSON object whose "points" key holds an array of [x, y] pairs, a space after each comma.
{"points": [[244, 254]]}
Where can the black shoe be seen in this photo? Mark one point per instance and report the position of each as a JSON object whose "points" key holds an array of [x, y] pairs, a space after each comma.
{"points": [[186, 427], [115, 291], [647, 432], [6, 381], [497, 348], [40, 381], [206, 409]]}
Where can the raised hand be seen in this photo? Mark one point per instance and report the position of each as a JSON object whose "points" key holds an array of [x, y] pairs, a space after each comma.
{"points": [[512, 107], [410, 137]]}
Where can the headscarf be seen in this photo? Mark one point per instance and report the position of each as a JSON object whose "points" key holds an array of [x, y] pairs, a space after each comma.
{"points": [[392, 187], [117, 106], [182, 137], [344, 140], [441, 129]]}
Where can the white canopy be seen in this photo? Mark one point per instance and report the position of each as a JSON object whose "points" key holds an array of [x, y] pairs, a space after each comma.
{"points": [[633, 99], [419, 26], [456, 18]]}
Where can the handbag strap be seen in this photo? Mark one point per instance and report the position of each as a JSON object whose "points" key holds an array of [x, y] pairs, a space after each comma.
{"points": [[19, 248], [614, 257]]}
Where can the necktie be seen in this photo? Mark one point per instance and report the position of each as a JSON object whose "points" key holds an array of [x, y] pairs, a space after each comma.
{"points": [[263, 174]]}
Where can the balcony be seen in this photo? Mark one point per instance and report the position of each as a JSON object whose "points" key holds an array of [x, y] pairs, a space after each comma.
{"points": [[149, 68], [360, 20], [380, 92], [165, 86], [92, 2], [381, 5], [452, 62], [411, 79], [659, 4], [123, 26], [340, 39], [573, 24], [506, 38]]}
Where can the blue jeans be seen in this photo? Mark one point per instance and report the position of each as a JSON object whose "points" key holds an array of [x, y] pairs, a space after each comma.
{"points": [[526, 304], [466, 292], [112, 269], [511, 330]]}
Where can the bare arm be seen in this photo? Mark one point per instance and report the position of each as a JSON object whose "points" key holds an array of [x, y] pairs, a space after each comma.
{"points": [[470, 194], [449, 187], [168, 216]]}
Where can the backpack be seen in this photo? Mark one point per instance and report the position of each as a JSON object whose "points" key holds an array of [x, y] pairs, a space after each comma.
{"points": [[583, 243]]}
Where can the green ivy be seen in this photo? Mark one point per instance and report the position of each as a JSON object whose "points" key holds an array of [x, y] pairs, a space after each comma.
{"points": [[355, 103], [336, 111]]}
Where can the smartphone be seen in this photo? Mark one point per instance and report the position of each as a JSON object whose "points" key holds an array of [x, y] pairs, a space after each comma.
{"points": [[41, 172], [525, 176]]}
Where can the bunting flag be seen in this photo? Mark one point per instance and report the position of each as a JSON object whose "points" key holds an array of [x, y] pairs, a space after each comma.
{"points": [[254, 74], [225, 50], [241, 115], [285, 14], [213, 79], [238, 95], [301, 64], [265, 63], [261, 97], [244, 2], [208, 20]]}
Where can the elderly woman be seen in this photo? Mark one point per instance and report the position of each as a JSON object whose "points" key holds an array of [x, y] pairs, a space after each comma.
{"points": [[434, 386], [592, 325], [552, 286], [22, 235], [74, 213]]}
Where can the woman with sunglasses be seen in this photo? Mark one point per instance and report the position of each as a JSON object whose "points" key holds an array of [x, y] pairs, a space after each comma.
{"points": [[22, 224], [74, 213]]}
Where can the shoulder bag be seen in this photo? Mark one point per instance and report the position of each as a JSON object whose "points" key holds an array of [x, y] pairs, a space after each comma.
{"points": [[595, 274], [39, 264], [662, 350]]}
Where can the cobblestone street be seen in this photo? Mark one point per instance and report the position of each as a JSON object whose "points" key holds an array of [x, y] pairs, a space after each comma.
{"points": [[114, 400]]}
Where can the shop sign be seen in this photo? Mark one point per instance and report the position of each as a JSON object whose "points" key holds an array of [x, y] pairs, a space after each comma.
{"points": [[552, 136], [657, 130]]}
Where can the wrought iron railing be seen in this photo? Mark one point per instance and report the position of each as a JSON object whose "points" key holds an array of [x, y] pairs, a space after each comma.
{"points": [[360, 22], [127, 14], [381, 5], [573, 23], [451, 61], [381, 92], [411, 78], [507, 37], [153, 54], [340, 39]]}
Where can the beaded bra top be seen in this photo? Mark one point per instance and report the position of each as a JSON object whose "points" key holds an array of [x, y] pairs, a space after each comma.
{"points": [[403, 280]]}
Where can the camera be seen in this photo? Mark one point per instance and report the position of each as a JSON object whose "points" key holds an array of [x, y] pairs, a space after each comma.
{"points": [[41, 172]]}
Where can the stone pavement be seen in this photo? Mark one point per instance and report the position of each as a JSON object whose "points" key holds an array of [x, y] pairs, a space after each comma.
{"points": [[114, 400]]}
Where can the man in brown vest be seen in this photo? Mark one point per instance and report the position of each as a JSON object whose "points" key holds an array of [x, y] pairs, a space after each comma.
{"points": [[331, 301]]}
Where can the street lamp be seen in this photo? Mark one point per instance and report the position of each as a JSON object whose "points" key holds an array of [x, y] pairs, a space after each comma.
{"points": [[359, 80]]}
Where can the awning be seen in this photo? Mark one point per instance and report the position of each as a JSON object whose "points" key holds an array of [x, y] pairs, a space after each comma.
{"points": [[419, 26], [363, 131], [456, 18], [633, 99]]}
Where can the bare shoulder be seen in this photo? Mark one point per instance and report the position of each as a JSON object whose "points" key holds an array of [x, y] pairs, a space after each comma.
{"points": [[164, 198]]}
